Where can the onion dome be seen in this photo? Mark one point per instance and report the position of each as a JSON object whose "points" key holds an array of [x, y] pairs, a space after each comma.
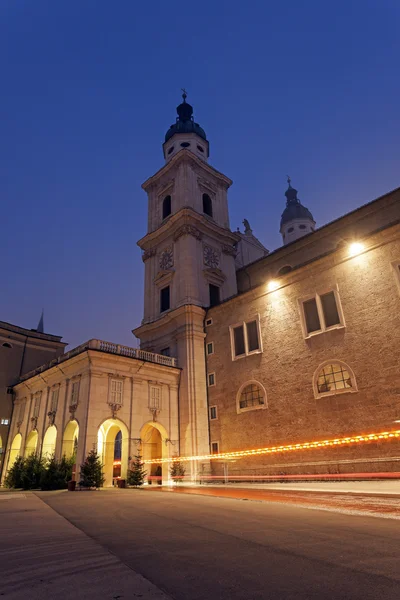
{"points": [[184, 121], [294, 209]]}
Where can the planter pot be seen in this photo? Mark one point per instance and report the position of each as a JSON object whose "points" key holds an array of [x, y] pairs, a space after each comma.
{"points": [[121, 483], [71, 486]]}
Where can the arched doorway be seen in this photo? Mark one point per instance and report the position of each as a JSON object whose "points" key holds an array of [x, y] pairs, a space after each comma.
{"points": [[49, 442], [152, 436], [31, 443], [113, 448], [70, 439], [14, 450]]}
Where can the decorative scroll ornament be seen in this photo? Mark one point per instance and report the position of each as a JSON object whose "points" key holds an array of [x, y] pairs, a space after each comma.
{"points": [[52, 416], [210, 257], [114, 409], [72, 409], [19, 423], [167, 259], [230, 250], [188, 230], [148, 253], [155, 412], [34, 421]]}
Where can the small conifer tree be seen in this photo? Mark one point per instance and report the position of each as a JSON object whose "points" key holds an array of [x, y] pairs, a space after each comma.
{"points": [[177, 471], [92, 471], [137, 472], [14, 478]]}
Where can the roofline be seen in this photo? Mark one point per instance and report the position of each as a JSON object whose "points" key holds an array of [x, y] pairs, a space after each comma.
{"points": [[32, 332], [322, 228]]}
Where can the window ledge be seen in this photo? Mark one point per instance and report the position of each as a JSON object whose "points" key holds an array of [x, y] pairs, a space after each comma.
{"points": [[245, 410], [336, 393], [314, 333], [247, 355]]}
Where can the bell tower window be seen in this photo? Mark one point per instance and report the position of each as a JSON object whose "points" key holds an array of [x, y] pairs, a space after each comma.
{"points": [[166, 207], [214, 295], [207, 205], [164, 299]]}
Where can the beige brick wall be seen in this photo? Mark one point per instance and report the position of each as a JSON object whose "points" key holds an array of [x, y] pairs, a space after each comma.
{"points": [[369, 343]]}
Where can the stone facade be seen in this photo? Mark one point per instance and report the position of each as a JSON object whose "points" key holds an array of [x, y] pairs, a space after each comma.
{"points": [[367, 341], [73, 400], [20, 351]]}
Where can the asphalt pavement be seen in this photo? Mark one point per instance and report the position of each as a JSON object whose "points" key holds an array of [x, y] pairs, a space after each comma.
{"points": [[201, 547]]}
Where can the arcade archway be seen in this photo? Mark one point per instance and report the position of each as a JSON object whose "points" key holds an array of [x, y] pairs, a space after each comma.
{"points": [[113, 448], [15, 450], [70, 439], [49, 442], [152, 436], [31, 443]]}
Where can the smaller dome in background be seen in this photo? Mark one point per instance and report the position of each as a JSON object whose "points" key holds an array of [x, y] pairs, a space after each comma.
{"points": [[184, 121], [294, 209]]}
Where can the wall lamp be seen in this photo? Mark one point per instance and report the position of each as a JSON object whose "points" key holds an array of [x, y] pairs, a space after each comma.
{"points": [[272, 285], [356, 248]]}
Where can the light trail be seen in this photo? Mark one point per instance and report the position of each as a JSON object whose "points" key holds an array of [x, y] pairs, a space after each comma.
{"points": [[354, 439]]}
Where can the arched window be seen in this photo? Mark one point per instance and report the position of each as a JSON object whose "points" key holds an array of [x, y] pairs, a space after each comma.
{"points": [[207, 205], [166, 207], [333, 377], [285, 269], [251, 396], [6, 345]]}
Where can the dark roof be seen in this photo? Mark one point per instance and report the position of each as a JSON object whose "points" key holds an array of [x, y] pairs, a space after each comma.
{"points": [[294, 209], [184, 122]]}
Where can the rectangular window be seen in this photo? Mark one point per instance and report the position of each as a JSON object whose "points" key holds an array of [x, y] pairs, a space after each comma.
{"points": [[209, 322], [36, 407], [211, 379], [155, 397], [322, 312], [396, 269], [164, 299], [54, 399], [210, 348], [245, 338], [214, 295], [116, 391], [5, 421], [214, 447], [213, 413], [74, 393]]}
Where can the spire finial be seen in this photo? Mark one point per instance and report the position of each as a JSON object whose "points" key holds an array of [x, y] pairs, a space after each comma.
{"points": [[40, 327], [184, 95], [289, 180]]}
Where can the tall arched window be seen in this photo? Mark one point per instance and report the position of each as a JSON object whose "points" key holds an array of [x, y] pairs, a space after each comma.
{"points": [[166, 207], [207, 205], [333, 377], [251, 396]]}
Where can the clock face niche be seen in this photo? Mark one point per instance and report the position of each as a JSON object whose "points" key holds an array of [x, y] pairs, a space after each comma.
{"points": [[210, 257], [167, 259]]}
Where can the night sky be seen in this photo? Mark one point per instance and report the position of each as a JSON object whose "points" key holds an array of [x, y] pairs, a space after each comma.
{"points": [[89, 88]]}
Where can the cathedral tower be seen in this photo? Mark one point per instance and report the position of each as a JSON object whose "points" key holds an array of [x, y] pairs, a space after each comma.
{"points": [[189, 256], [296, 219]]}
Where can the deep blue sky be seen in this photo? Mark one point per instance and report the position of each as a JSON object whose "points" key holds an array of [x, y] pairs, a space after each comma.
{"points": [[88, 89]]}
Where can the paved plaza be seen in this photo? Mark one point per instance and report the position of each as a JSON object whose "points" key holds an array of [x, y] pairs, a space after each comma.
{"points": [[121, 544]]}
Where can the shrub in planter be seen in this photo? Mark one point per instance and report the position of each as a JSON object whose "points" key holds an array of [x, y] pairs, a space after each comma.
{"points": [[57, 474], [14, 475], [92, 471], [137, 472], [32, 472]]}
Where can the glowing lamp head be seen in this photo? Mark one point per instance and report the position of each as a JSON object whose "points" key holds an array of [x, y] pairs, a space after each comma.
{"points": [[356, 248], [272, 285]]}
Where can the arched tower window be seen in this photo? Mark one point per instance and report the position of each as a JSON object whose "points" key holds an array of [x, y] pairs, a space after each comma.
{"points": [[333, 377], [207, 205], [6, 345], [166, 207]]}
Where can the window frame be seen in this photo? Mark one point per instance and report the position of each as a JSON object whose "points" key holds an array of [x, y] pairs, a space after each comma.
{"points": [[317, 297], [240, 410], [396, 271], [209, 322], [118, 381], [74, 398], [37, 398], [55, 394], [208, 379], [212, 348], [211, 447], [155, 405], [216, 412], [243, 324], [334, 361], [165, 287]]}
